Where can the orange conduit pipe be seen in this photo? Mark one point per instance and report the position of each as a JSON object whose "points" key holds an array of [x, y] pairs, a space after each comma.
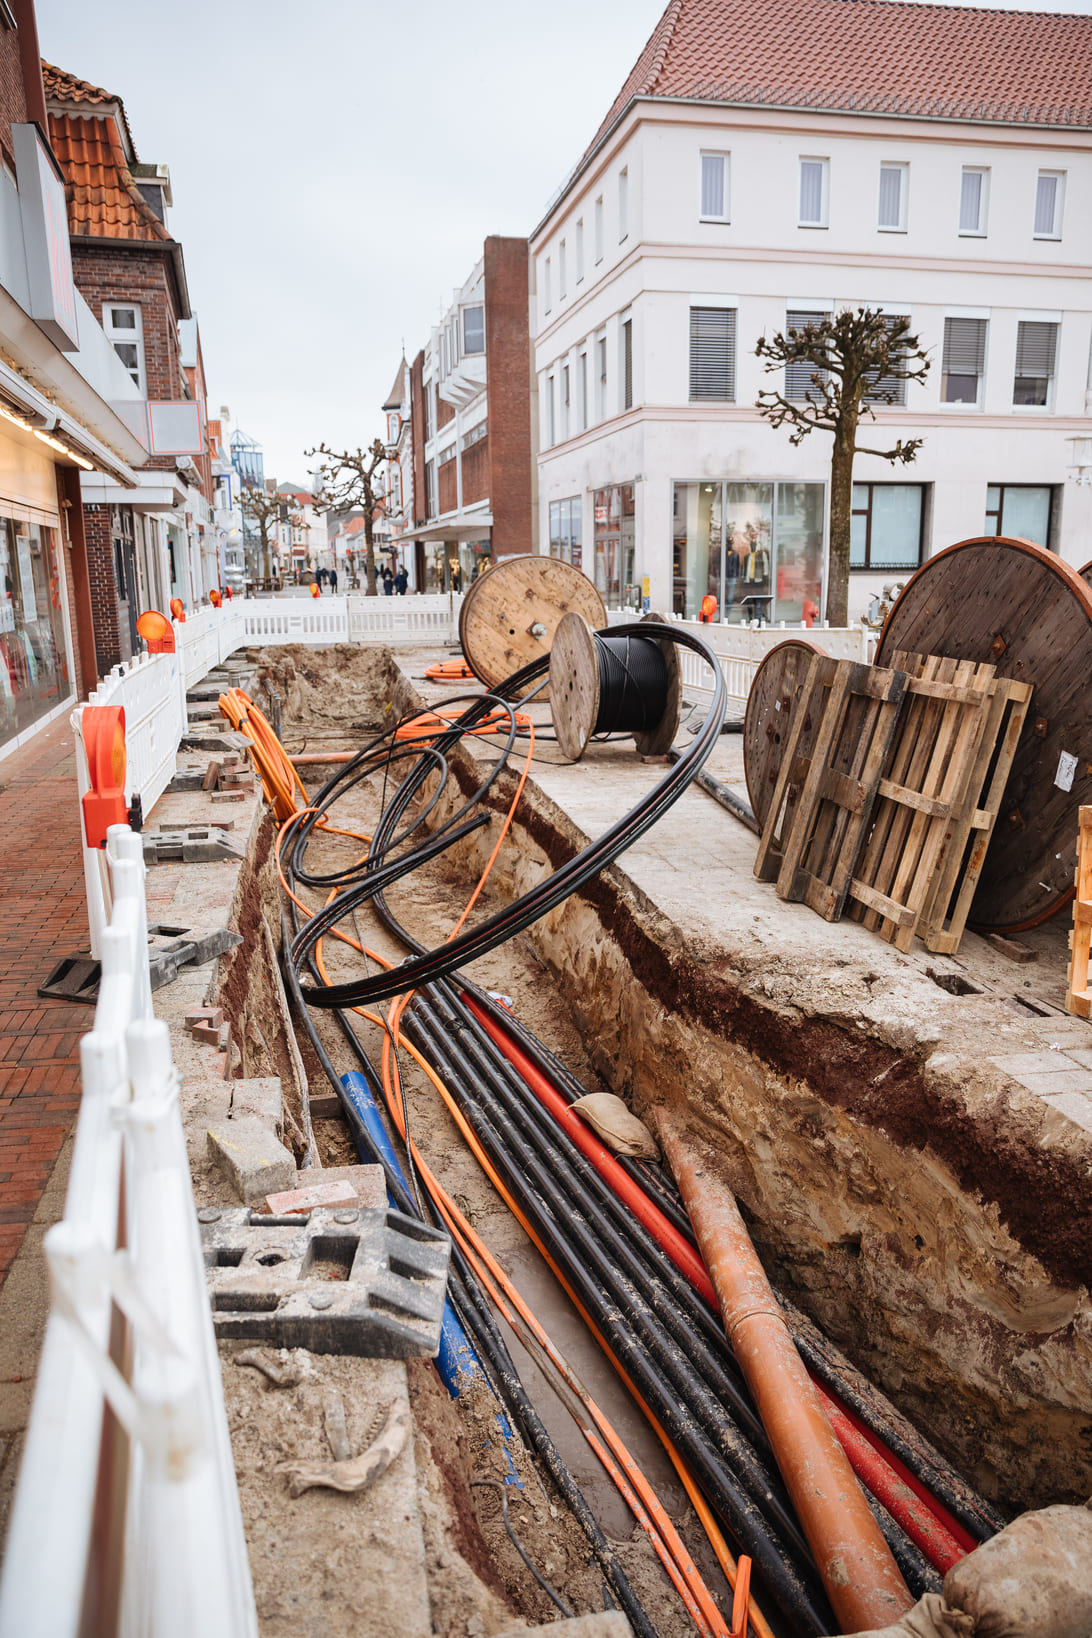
{"points": [[450, 671], [861, 1577]]}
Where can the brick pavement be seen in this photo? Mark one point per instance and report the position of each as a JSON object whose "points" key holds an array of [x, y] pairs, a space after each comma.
{"points": [[44, 917]]}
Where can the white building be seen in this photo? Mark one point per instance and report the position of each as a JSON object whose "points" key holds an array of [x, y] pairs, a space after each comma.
{"points": [[769, 159]]}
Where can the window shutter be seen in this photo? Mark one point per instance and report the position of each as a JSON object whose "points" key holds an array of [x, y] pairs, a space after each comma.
{"points": [[970, 202], [1046, 200], [627, 364], [1036, 345], [890, 196], [964, 346], [884, 390], [713, 353], [798, 373], [712, 184]]}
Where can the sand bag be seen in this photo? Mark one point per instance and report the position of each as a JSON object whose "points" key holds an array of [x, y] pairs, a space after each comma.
{"points": [[1032, 1580], [616, 1125]]}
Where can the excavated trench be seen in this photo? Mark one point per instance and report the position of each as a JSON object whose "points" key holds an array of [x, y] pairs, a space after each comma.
{"points": [[928, 1213]]}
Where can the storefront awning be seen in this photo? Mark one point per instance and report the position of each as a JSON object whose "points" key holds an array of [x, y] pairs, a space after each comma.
{"points": [[480, 528]]}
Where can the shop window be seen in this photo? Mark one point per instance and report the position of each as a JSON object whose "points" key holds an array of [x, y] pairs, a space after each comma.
{"points": [[756, 548], [1021, 511], [34, 677], [887, 525], [566, 539], [473, 330], [615, 545]]}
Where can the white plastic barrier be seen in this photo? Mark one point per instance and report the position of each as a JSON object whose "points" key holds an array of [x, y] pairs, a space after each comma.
{"points": [[742, 649], [314, 621], [126, 1515], [431, 617], [319, 621]]}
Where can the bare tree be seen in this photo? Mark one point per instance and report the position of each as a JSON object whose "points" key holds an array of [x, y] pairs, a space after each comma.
{"points": [[263, 510], [859, 360], [349, 481]]}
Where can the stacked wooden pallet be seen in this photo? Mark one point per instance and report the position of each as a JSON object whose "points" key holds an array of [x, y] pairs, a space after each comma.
{"points": [[1079, 987], [889, 790]]}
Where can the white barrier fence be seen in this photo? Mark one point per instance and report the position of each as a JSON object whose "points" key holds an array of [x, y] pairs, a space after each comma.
{"points": [[742, 649], [319, 621], [126, 1515]]}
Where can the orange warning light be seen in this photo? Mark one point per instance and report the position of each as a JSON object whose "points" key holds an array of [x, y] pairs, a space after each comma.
{"points": [[315, 589], [214, 598], [156, 631], [708, 608], [228, 593], [102, 728], [178, 610]]}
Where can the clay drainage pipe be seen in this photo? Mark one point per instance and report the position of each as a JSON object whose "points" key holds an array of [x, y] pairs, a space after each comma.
{"points": [[861, 1578]]}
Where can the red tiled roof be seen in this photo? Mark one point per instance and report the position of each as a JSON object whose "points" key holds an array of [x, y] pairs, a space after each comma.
{"points": [[103, 200], [62, 87], [869, 56]]}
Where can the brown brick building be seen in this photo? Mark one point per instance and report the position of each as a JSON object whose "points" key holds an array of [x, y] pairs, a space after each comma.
{"points": [[469, 414]]}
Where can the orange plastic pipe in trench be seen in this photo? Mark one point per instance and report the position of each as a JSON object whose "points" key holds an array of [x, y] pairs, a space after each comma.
{"points": [[861, 1577]]}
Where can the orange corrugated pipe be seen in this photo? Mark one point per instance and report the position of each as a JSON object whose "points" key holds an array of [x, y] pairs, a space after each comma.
{"points": [[861, 1577]]}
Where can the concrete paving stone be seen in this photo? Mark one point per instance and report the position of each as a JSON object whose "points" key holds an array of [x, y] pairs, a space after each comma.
{"points": [[608, 1624], [1080, 1055], [259, 1096], [1075, 1106], [1077, 1082], [1019, 1064], [251, 1158]]}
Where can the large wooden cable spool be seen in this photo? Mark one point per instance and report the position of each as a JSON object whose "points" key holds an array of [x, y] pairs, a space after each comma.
{"points": [[770, 703], [602, 684], [1086, 574], [511, 613], [1012, 604]]}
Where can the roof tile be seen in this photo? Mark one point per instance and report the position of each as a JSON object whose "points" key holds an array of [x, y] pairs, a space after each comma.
{"points": [[103, 201]]}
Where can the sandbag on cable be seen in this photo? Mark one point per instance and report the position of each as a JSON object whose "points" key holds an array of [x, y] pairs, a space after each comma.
{"points": [[1033, 1580]]}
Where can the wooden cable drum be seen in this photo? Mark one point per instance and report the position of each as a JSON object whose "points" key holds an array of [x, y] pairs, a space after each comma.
{"points": [[770, 701], [613, 685], [510, 614], [1012, 604], [1086, 574]]}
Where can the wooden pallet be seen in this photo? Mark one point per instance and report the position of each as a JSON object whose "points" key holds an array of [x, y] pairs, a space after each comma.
{"points": [[1079, 985], [925, 784], [813, 843]]}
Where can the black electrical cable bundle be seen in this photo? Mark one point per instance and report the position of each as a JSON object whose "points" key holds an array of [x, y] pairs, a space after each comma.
{"points": [[553, 889], [632, 683], [826, 1362], [476, 1318]]}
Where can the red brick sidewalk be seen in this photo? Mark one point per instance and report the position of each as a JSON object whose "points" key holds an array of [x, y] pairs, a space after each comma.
{"points": [[44, 917]]}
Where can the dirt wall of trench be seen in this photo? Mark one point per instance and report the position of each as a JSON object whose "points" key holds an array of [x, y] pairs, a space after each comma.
{"points": [[933, 1217]]}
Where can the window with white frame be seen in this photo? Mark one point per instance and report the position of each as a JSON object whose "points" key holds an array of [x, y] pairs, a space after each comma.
{"points": [[562, 275], [430, 487], [887, 389], [963, 360], [1049, 189], [627, 362], [551, 414], [974, 200], [547, 295], [894, 198], [581, 392], [814, 192], [799, 371], [623, 204], [712, 355], [1036, 349], [564, 401], [580, 251], [473, 329], [125, 328], [598, 226], [714, 187], [601, 358]]}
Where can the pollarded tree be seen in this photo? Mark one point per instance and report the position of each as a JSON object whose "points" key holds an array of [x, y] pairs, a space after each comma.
{"points": [[349, 481], [859, 358], [263, 509]]}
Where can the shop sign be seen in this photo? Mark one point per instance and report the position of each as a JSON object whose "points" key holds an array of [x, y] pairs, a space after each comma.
{"points": [[45, 239]]}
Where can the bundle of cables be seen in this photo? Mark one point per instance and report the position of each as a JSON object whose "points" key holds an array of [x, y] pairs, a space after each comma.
{"points": [[613, 1231]]}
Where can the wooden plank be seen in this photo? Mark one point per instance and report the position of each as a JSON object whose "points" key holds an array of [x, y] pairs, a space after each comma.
{"points": [[913, 799], [880, 902], [1078, 991], [852, 745], [972, 825], [805, 717]]}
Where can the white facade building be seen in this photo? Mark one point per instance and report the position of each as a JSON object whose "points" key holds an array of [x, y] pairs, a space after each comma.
{"points": [[695, 225]]}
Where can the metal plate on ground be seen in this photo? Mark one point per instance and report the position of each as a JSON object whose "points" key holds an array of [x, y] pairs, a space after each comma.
{"points": [[369, 1283], [1012, 604]]}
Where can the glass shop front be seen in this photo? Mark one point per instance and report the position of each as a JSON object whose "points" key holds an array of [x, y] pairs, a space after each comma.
{"points": [[756, 549], [34, 674]]}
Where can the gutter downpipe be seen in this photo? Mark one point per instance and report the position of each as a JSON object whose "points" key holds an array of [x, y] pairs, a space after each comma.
{"points": [[861, 1577]]}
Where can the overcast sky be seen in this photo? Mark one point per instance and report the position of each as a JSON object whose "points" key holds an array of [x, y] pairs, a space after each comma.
{"points": [[336, 166]]}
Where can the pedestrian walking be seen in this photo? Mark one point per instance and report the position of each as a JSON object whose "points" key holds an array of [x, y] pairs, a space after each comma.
{"points": [[401, 581], [333, 581], [388, 581]]}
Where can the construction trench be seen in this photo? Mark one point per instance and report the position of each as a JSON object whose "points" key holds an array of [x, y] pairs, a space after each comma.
{"points": [[923, 1213]]}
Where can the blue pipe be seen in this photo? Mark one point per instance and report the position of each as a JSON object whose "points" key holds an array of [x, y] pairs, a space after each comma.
{"points": [[457, 1361]]}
